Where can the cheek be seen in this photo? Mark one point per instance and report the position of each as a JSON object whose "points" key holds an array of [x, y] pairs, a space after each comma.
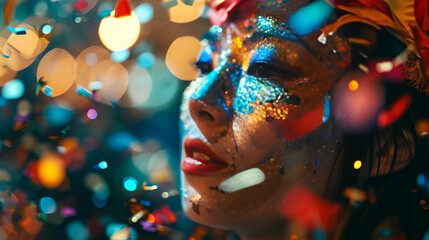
{"points": [[295, 128]]}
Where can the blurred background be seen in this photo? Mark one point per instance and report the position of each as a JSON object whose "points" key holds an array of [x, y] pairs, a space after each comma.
{"points": [[89, 109]]}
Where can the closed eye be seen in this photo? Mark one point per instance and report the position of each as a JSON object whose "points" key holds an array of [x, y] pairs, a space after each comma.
{"points": [[267, 70]]}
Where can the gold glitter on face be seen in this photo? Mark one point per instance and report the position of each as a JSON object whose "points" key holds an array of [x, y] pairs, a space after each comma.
{"points": [[261, 98]]}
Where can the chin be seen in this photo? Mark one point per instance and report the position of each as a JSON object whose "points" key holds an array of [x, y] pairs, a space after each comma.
{"points": [[204, 203]]}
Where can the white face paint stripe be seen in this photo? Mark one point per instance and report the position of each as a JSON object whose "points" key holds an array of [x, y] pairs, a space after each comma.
{"points": [[242, 180]]}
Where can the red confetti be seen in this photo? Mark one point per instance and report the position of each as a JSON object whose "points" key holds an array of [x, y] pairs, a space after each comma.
{"points": [[122, 9], [81, 4], [295, 128], [395, 111], [303, 206]]}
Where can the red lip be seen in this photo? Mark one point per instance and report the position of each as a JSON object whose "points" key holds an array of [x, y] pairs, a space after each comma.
{"points": [[195, 166]]}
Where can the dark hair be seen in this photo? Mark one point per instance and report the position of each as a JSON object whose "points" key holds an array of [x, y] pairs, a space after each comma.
{"points": [[392, 194]]}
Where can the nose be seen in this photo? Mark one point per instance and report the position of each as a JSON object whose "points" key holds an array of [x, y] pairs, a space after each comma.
{"points": [[212, 120], [208, 107]]}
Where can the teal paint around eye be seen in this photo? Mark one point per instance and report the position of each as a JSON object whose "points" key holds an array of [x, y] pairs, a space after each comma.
{"points": [[253, 90]]}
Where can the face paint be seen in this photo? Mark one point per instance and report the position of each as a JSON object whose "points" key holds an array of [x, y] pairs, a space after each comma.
{"points": [[242, 180], [272, 85]]}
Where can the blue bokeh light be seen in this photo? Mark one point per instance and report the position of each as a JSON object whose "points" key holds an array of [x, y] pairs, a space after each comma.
{"points": [[47, 205], [76, 230], [120, 56], [146, 60], [144, 12], [57, 116], [13, 89], [130, 184], [47, 29]]}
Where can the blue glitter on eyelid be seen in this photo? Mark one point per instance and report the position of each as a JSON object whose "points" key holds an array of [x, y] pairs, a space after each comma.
{"points": [[271, 27], [263, 54], [253, 90]]}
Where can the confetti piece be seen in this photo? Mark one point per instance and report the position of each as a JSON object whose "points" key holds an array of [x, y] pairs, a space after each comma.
{"points": [[18, 31], [242, 180], [148, 226], [395, 111], [83, 92], [5, 56], [65, 130], [149, 188], [141, 214], [326, 108], [122, 9], [67, 211], [80, 5], [48, 91]]}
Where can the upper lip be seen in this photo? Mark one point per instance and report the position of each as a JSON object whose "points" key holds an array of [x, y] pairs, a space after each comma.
{"points": [[192, 145]]}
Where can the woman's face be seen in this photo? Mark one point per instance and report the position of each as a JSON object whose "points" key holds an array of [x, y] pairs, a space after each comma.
{"points": [[256, 122]]}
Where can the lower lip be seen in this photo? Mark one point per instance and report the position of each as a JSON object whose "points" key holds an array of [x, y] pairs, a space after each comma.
{"points": [[197, 167]]}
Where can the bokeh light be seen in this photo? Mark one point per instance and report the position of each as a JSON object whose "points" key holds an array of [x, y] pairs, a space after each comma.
{"points": [[181, 56], [139, 88], [130, 184], [13, 89], [55, 65], [183, 13], [58, 115], [47, 205], [119, 33], [357, 110], [91, 114], [357, 164], [120, 56], [51, 170], [77, 230], [353, 85], [144, 12]]}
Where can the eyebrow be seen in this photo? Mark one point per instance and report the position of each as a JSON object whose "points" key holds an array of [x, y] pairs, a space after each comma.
{"points": [[269, 27]]}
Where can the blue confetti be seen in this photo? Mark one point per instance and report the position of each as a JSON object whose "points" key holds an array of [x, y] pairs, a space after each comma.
{"points": [[5, 56], [18, 31], [83, 92], [311, 17], [326, 108], [48, 91]]}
